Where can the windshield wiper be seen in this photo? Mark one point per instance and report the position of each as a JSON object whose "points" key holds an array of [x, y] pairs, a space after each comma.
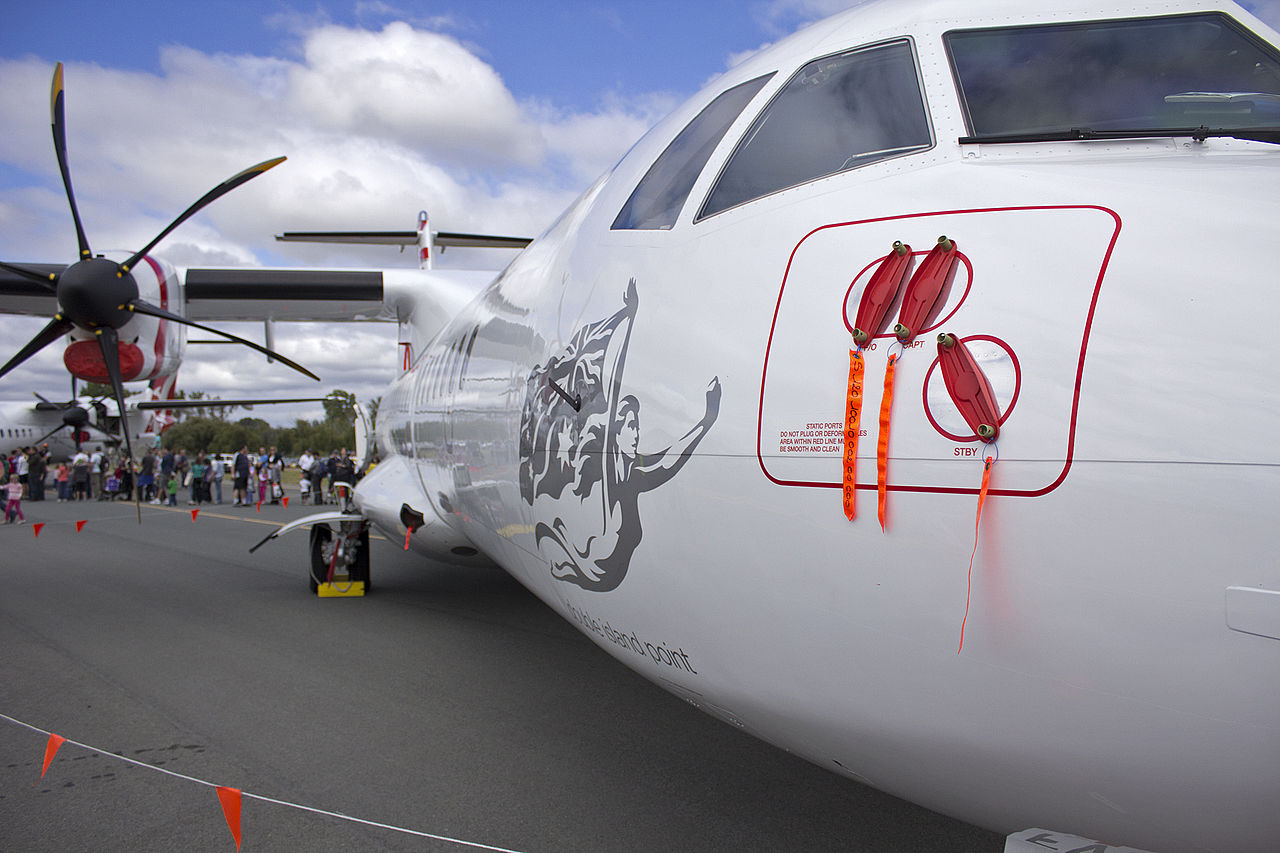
{"points": [[1085, 134]]}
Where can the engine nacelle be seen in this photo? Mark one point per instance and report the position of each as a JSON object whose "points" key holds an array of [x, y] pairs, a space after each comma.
{"points": [[149, 347]]}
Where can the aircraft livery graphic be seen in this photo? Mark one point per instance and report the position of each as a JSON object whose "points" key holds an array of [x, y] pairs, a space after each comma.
{"points": [[579, 450]]}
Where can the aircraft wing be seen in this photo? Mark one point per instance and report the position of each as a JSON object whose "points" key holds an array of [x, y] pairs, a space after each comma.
{"points": [[432, 297], [211, 403], [265, 293], [19, 295], [256, 293]]}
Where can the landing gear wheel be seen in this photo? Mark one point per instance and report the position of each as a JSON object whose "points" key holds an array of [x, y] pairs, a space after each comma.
{"points": [[321, 535]]}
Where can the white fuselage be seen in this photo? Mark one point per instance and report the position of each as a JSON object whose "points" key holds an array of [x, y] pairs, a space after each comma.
{"points": [[697, 534], [23, 425]]}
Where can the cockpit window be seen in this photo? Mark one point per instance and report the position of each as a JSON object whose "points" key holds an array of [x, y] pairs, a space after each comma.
{"points": [[838, 113], [1172, 72], [656, 201]]}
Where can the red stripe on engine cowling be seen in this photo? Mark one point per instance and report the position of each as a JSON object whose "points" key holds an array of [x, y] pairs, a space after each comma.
{"points": [[163, 328]]}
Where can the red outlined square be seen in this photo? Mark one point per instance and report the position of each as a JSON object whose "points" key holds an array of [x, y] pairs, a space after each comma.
{"points": [[1030, 283]]}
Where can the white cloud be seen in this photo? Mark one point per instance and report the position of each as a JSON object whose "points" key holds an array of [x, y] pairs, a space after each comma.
{"points": [[376, 125], [586, 144], [420, 88]]}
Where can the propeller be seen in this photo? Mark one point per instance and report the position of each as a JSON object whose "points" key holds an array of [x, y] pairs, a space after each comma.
{"points": [[100, 295], [74, 417]]}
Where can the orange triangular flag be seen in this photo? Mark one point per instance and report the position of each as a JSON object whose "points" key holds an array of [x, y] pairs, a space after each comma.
{"points": [[80, 525], [230, 799], [36, 528], [286, 501], [50, 750], [194, 513]]}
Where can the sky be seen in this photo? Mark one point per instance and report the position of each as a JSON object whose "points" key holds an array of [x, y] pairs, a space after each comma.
{"points": [[491, 114]]}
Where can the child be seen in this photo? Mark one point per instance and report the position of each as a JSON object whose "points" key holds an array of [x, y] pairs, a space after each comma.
{"points": [[13, 509], [63, 479], [172, 488]]}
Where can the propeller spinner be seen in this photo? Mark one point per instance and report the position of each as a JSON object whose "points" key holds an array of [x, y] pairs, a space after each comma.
{"points": [[100, 295]]}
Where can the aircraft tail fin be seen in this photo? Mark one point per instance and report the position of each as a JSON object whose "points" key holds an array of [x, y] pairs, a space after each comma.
{"points": [[424, 238], [406, 238]]}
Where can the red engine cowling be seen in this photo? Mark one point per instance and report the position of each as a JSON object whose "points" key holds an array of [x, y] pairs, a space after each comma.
{"points": [[84, 360]]}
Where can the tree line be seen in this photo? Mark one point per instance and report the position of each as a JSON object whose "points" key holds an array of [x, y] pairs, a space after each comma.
{"points": [[215, 432]]}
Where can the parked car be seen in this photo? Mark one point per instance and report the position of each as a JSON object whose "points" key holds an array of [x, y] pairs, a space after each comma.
{"points": [[228, 461]]}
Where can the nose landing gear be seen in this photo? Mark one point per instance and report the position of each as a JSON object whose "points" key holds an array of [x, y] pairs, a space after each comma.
{"points": [[339, 563]]}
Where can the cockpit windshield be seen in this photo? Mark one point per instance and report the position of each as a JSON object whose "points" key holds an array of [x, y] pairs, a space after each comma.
{"points": [[1189, 71], [837, 113], [656, 201]]}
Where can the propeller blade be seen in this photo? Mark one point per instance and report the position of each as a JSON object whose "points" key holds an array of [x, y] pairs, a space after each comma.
{"points": [[57, 328], [46, 436], [217, 192], [49, 282], [59, 121], [109, 342], [142, 307]]}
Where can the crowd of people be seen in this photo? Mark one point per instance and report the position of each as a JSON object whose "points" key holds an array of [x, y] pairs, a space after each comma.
{"points": [[160, 476]]}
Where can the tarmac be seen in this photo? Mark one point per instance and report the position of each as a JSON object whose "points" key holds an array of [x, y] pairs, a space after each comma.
{"points": [[448, 710]]}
